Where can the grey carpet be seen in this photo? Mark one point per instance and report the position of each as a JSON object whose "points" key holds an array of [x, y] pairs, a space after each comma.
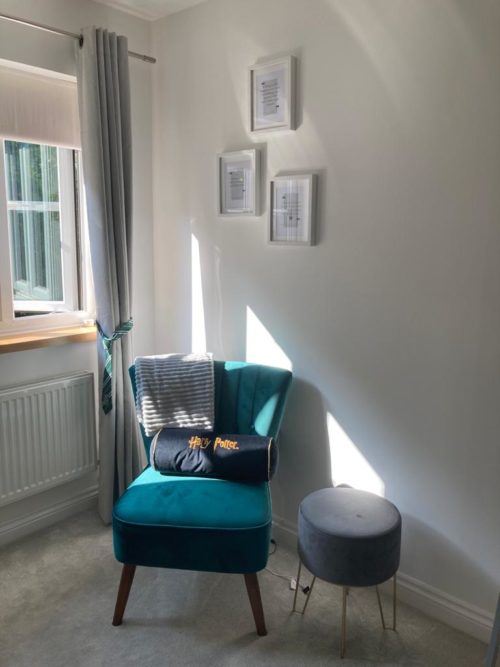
{"points": [[58, 590]]}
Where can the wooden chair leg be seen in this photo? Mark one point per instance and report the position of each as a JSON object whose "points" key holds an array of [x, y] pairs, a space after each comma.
{"points": [[121, 600], [253, 590]]}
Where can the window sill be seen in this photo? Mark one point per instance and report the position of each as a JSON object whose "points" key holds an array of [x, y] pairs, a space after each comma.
{"points": [[35, 339]]}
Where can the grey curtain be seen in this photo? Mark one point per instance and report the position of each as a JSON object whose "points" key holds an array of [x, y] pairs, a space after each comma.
{"points": [[104, 101]]}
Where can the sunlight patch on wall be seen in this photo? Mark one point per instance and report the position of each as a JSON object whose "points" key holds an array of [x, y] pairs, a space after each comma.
{"points": [[261, 346], [198, 330], [349, 466]]}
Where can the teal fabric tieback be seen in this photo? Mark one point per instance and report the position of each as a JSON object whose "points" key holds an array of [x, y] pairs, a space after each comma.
{"points": [[107, 342]]}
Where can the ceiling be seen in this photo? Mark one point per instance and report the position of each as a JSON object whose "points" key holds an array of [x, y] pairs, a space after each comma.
{"points": [[151, 9]]}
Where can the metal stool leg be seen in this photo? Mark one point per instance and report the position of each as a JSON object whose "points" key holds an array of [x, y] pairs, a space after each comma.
{"points": [[394, 603], [297, 587], [297, 590], [344, 623], [380, 607], [491, 656], [309, 594]]}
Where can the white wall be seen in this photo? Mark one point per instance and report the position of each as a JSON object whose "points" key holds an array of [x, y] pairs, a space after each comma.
{"points": [[392, 322], [33, 47]]}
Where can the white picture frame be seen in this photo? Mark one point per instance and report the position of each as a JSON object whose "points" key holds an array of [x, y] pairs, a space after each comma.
{"points": [[238, 183], [272, 94], [292, 209]]}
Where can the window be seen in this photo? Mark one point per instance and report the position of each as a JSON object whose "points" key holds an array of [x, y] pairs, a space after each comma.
{"points": [[44, 271], [40, 204]]}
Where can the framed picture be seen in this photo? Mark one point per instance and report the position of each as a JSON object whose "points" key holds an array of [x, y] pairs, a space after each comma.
{"points": [[272, 95], [292, 209], [238, 183]]}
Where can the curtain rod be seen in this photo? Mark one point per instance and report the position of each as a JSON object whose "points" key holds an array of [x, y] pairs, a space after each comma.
{"points": [[74, 35]]}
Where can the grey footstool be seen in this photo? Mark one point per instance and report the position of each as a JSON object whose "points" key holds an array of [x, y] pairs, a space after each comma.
{"points": [[350, 538]]}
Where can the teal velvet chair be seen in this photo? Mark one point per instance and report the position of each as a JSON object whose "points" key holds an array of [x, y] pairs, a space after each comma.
{"points": [[210, 525]]}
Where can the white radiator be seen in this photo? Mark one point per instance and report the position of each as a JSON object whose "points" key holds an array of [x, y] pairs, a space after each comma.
{"points": [[47, 434]]}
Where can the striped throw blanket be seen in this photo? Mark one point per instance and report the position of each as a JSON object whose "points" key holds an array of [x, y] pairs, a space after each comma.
{"points": [[175, 391]]}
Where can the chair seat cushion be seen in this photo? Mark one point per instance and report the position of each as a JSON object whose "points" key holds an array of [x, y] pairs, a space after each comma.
{"points": [[193, 523]]}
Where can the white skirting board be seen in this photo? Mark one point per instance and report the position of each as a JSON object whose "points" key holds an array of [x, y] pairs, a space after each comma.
{"points": [[11, 531], [431, 601]]}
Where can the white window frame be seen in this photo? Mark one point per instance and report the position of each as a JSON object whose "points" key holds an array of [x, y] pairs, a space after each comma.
{"points": [[64, 313]]}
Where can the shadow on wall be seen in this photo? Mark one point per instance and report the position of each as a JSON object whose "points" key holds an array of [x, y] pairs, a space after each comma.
{"points": [[317, 451], [440, 559], [304, 455]]}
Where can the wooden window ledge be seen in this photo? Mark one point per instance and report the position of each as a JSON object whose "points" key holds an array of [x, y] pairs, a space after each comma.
{"points": [[60, 336]]}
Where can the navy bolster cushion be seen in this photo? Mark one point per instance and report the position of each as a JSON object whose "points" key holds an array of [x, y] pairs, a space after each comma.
{"points": [[244, 458]]}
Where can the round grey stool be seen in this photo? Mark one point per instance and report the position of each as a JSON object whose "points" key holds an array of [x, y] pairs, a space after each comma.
{"points": [[349, 538]]}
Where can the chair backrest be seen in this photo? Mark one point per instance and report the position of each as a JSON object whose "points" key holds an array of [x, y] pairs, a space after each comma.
{"points": [[250, 399]]}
